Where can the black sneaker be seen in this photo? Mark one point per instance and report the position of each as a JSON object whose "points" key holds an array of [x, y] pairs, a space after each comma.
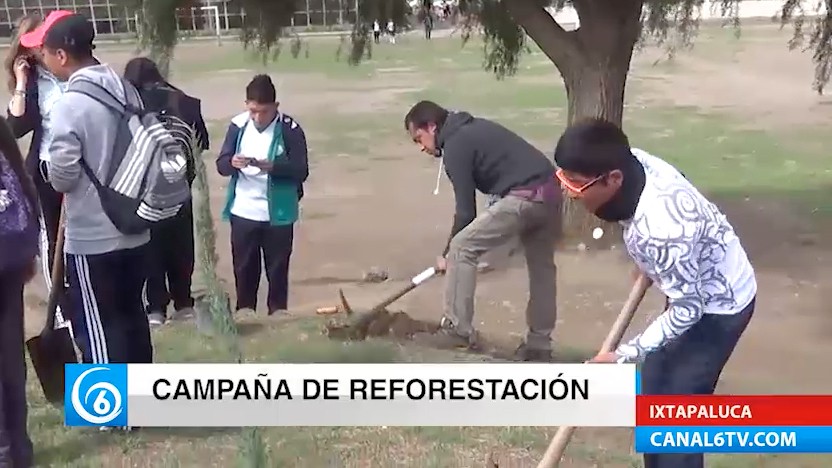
{"points": [[526, 354]]}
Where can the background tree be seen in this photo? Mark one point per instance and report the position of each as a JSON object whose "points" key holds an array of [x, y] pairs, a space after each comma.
{"points": [[593, 59]]}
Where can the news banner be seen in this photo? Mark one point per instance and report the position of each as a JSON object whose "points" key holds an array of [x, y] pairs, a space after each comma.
{"points": [[453, 394]]}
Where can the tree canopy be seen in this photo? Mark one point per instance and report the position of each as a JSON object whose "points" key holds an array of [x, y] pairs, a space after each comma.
{"points": [[506, 25], [593, 59]]}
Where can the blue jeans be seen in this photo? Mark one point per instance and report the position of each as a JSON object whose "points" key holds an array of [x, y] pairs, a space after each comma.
{"points": [[691, 365]]}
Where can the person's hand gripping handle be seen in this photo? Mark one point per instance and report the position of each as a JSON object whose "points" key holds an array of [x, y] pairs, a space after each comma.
{"points": [[554, 453]]}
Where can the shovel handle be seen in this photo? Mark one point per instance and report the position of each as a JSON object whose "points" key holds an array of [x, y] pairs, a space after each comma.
{"points": [[414, 282], [554, 453], [57, 274]]}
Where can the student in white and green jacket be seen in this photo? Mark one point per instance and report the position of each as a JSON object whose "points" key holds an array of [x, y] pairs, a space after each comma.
{"points": [[265, 154]]}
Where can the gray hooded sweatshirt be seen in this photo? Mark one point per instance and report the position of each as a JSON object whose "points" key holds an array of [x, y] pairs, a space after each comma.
{"points": [[85, 128]]}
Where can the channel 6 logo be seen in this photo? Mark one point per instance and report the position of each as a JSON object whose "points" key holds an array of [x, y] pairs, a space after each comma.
{"points": [[95, 395]]}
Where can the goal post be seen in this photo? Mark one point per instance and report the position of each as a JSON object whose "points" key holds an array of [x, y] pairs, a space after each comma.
{"points": [[216, 13]]}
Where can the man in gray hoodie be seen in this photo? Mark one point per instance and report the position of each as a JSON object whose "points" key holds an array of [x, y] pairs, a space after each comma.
{"points": [[105, 267], [481, 155]]}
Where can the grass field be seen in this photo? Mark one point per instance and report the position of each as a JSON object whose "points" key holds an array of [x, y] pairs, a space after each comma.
{"points": [[738, 117]]}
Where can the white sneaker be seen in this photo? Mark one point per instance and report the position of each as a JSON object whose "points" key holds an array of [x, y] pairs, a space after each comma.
{"points": [[115, 428], [156, 319], [184, 314]]}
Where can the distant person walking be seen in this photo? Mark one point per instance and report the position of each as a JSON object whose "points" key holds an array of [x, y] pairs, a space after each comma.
{"points": [[391, 31], [376, 31], [171, 255], [265, 155], [428, 22]]}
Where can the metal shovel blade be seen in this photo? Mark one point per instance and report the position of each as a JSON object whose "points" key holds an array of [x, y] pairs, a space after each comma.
{"points": [[53, 348], [50, 352]]}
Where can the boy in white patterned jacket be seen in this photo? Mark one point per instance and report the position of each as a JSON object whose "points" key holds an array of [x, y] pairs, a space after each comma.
{"points": [[684, 244]]}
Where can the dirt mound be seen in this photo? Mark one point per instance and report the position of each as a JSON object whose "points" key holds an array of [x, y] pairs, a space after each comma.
{"points": [[401, 327], [377, 324]]}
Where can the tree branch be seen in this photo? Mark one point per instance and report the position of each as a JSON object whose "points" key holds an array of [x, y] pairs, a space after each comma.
{"points": [[557, 43]]}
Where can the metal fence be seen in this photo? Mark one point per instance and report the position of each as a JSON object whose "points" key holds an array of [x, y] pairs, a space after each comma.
{"points": [[203, 15]]}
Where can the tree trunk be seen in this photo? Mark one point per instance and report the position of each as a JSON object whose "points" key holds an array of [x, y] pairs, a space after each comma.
{"points": [[592, 93], [594, 61]]}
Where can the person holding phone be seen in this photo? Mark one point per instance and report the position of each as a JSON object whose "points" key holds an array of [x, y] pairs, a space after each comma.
{"points": [[34, 92], [265, 154]]}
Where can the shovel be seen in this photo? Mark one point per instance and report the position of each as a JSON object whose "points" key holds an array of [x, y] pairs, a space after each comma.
{"points": [[53, 348], [361, 321], [554, 453]]}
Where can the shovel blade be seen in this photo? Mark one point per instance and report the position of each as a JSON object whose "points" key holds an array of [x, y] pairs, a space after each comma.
{"points": [[344, 304], [50, 352]]}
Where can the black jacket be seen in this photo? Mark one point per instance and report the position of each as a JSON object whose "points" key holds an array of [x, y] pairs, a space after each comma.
{"points": [[483, 155], [30, 121]]}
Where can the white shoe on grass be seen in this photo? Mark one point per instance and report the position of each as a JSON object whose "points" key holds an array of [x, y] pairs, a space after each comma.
{"points": [[156, 319], [187, 313], [115, 428]]}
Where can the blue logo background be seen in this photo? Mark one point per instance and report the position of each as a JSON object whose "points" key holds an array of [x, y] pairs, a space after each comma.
{"points": [[95, 395]]}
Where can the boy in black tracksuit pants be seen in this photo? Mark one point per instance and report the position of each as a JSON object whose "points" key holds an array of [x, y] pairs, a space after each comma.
{"points": [[105, 267]]}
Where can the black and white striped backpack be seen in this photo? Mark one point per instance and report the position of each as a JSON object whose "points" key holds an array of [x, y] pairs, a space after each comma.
{"points": [[146, 181]]}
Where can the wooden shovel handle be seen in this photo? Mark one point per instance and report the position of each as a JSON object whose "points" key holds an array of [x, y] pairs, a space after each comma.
{"points": [[414, 282], [554, 453], [57, 274]]}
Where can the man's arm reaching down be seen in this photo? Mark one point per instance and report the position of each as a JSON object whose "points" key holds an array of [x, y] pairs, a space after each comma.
{"points": [[65, 148], [459, 166]]}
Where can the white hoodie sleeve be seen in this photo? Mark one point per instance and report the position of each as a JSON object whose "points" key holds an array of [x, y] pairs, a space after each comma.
{"points": [[686, 307]]}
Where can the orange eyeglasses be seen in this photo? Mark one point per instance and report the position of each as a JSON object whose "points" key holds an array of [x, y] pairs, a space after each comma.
{"points": [[571, 186]]}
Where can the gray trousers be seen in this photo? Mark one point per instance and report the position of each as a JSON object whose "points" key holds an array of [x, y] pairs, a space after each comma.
{"points": [[15, 445], [537, 225]]}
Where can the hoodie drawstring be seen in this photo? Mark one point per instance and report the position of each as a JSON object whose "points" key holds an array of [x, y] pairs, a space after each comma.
{"points": [[439, 175]]}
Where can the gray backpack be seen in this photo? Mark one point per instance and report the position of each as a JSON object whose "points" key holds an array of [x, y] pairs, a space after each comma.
{"points": [[146, 181]]}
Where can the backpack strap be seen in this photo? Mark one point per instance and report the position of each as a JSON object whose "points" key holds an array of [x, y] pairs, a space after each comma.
{"points": [[90, 174], [103, 96]]}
